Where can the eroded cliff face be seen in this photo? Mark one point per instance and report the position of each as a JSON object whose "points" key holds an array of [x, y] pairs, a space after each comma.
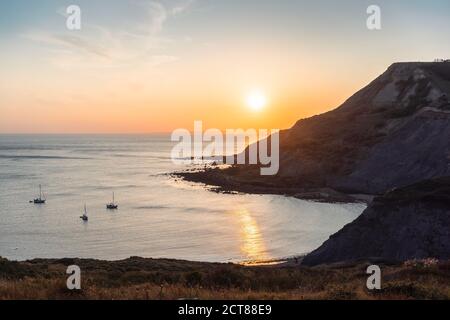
{"points": [[407, 223], [394, 132]]}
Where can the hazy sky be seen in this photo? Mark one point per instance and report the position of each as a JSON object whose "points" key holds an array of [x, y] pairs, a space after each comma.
{"points": [[153, 66]]}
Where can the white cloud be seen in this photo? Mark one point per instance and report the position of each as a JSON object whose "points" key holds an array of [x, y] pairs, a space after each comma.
{"points": [[99, 46], [182, 7], [69, 41], [158, 16]]}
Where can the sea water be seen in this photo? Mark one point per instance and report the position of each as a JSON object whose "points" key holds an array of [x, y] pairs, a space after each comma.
{"points": [[158, 216]]}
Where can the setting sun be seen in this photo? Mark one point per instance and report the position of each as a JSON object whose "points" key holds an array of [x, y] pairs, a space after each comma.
{"points": [[256, 100]]}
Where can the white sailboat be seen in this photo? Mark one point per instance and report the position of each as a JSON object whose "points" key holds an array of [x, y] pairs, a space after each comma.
{"points": [[39, 200], [112, 205], [84, 217]]}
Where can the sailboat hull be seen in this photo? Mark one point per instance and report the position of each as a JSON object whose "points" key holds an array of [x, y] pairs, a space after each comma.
{"points": [[39, 200], [112, 205]]}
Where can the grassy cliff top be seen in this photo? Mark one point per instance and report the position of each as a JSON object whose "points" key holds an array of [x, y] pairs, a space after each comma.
{"points": [[139, 278]]}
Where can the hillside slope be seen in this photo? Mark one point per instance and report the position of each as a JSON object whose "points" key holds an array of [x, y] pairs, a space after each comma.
{"points": [[407, 223], [392, 133]]}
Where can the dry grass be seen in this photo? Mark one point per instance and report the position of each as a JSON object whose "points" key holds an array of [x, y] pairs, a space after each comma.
{"points": [[138, 278]]}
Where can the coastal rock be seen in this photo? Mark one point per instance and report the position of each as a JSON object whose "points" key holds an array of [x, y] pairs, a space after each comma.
{"points": [[407, 223]]}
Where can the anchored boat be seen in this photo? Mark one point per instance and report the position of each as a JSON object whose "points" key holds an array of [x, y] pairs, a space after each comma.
{"points": [[84, 217], [112, 205], [39, 200]]}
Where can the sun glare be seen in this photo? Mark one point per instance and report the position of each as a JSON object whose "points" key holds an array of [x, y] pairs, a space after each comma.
{"points": [[256, 100]]}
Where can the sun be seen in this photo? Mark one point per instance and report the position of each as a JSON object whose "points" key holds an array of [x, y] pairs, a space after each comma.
{"points": [[256, 100]]}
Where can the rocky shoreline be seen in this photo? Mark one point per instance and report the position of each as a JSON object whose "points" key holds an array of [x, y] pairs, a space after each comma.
{"points": [[218, 180]]}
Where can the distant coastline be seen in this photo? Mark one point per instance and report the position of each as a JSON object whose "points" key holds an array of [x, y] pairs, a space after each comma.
{"points": [[220, 180]]}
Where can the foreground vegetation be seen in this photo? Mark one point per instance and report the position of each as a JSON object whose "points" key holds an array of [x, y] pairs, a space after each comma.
{"points": [[138, 278]]}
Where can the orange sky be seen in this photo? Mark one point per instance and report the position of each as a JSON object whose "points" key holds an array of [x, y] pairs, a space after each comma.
{"points": [[98, 98], [155, 66]]}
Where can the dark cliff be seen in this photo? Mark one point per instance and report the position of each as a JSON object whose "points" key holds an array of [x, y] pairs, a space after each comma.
{"points": [[407, 223]]}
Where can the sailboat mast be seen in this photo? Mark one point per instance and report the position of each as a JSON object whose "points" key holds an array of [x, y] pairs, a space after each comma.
{"points": [[40, 192], [113, 196]]}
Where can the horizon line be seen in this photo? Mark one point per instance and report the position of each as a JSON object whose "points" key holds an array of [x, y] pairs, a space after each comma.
{"points": [[80, 133]]}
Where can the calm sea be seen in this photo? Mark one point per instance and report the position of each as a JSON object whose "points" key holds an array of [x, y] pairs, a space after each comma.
{"points": [[157, 217]]}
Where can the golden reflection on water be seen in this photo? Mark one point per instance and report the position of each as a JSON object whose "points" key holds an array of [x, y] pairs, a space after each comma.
{"points": [[252, 242]]}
